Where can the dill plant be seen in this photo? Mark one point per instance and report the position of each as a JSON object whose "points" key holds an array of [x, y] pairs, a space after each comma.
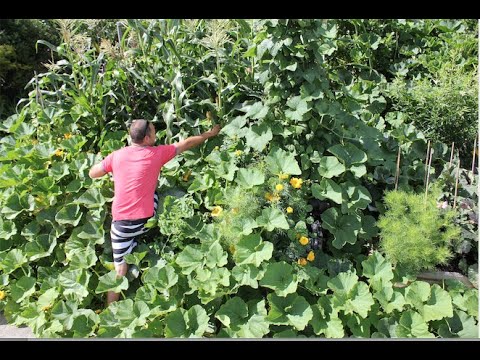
{"points": [[415, 233]]}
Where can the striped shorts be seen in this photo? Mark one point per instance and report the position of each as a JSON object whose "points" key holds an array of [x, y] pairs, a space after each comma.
{"points": [[124, 233]]}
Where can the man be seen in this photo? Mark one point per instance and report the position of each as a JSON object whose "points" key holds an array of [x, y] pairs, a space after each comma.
{"points": [[136, 169]]}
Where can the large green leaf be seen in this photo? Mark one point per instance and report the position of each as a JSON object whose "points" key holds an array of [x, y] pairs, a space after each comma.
{"points": [[256, 326], [111, 282], [190, 259], [58, 170], [412, 325], [85, 325], [215, 256], [182, 323], [249, 178], [252, 249], [14, 259], [327, 189], [417, 293], [358, 196], [349, 153], [92, 198], [161, 278], [41, 246], [22, 288], [378, 270], [290, 310], [343, 227], [16, 204], [280, 161], [75, 283], [360, 300], [343, 283], [233, 313], [257, 111], [246, 275], [280, 277], [330, 166], [438, 306], [468, 302], [298, 108], [272, 218], [47, 299], [244, 225], [69, 214], [258, 136]]}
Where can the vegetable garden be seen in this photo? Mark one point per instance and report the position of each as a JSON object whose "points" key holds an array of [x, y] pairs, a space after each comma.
{"points": [[318, 211]]}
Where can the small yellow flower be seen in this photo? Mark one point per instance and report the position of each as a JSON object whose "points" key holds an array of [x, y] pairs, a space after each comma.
{"points": [[67, 136], [289, 210], [2, 295], [59, 152], [238, 152], [217, 211], [302, 261], [311, 256], [296, 182], [279, 187], [272, 197], [46, 307], [303, 240], [282, 176]]}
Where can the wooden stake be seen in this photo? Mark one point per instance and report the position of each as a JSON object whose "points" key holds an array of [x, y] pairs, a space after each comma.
{"points": [[426, 162], [451, 156], [473, 158], [397, 172], [456, 185], [428, 176]]}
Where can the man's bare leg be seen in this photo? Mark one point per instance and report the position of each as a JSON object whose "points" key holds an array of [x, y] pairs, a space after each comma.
{"points": [[121, 271]]}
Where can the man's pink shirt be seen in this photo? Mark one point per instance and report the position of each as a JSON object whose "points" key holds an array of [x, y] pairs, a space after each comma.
{"points": [[135, 173]]}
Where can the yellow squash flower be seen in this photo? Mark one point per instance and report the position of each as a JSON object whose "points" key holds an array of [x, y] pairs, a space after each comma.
{"points": [[67, 136], [303, 240], [238, 152], [59, 152], [311, 256], [279, 187], [2, 295], [302, 261], [217, 211], [289, 210], [296, 182]]}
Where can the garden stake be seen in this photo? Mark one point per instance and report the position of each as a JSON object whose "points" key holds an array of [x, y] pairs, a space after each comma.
{"points": [[451, 156], [456, 185], [426, 162], [428, 176], [397, 172], [473, 158]]}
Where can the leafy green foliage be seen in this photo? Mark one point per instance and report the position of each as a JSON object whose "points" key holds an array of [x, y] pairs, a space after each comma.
{"points": [[415, 233]]}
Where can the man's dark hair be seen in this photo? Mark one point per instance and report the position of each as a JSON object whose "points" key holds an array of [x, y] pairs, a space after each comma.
{"points": [[139, 129]]}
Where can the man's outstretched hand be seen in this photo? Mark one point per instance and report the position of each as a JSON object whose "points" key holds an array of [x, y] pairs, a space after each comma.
{"points": [[214, 131]]}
